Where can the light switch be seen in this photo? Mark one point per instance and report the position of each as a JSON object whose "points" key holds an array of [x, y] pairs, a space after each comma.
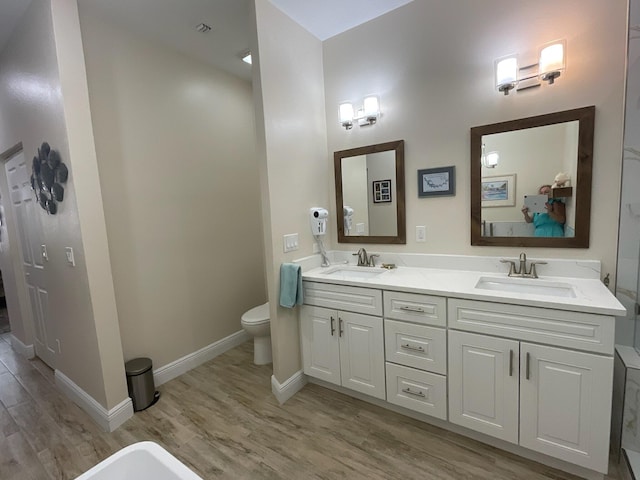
{"points": [[421, 233], [290, 242], [69, 253], [45, 255]]}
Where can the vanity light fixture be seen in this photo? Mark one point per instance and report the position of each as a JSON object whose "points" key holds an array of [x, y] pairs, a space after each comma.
{"points": [[551, 63], [489, 160], [368, 114]]}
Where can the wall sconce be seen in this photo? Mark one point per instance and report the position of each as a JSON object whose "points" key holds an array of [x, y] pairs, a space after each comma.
{"points": [[489, 160], [551, 63], [368, 114]]}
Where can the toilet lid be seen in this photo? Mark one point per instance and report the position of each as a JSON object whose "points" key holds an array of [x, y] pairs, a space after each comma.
{"points": [[259, 314]]}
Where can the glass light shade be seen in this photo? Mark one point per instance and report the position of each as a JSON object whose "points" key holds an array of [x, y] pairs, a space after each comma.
{"points": [[506, 71], [552, 58], [247, 58], [371, 107], [346, 112], [491, 159]]}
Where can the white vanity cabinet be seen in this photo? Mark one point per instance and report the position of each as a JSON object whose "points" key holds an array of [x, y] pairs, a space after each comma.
{"points": [[340, 346], [416, 352], [551, 400]]}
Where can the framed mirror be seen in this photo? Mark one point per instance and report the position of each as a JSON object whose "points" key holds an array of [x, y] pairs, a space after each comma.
{"points": [[514, 166], [370, 202]]}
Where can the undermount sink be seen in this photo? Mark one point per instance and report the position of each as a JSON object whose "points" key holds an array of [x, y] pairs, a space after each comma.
{"points": [[346, 272], [532, 286]]}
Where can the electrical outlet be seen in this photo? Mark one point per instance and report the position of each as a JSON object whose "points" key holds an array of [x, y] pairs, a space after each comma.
{"points": [[421, 233], [70, 258], [291, 242]]}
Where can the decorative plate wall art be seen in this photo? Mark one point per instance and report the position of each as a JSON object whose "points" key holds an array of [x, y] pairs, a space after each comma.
{"points": [[47, 176]]}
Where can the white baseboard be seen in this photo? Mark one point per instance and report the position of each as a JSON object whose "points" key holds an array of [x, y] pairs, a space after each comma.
{"points": [[109, 420], [26, 351], [291, 386], [186, 363]]}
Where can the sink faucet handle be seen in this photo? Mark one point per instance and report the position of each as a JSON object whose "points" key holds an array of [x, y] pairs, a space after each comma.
{"points": [[532, 271], [512, 266], [372, 259]]}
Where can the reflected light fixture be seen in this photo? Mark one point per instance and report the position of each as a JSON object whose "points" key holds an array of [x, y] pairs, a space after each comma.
{"points": [[551, 63], [489, 160], [246, 57], [368, 114]]}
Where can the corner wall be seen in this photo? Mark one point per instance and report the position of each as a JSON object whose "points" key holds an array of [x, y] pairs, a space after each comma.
{"points": [[294, 165]]}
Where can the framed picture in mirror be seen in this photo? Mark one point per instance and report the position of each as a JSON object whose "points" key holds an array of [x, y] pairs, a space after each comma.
{"points": [[499, 191], [382, 191]]}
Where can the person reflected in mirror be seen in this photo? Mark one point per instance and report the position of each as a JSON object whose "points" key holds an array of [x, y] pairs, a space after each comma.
{"points": [[551, 222]]}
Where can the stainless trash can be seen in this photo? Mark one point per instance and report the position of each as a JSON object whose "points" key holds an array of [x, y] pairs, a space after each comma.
{"points": [[140, 383]]}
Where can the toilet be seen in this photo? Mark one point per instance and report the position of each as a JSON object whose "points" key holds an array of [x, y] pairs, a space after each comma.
{"points": [[257, 324]]}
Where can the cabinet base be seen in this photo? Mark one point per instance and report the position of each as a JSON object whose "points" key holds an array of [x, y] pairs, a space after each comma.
{"points": [[494, 442]]}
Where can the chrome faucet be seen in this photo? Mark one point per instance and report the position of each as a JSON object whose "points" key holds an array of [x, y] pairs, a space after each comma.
{"points": [[363, 258], [521, 271]]}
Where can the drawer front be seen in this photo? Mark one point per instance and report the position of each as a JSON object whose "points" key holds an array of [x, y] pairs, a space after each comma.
{"points": [[343, 297], [412, 307], [582, 331], [417, 390], [416, 346]]}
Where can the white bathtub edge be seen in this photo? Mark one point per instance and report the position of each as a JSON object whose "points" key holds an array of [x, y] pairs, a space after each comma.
{"points": [[292, 385], [108, 420]]}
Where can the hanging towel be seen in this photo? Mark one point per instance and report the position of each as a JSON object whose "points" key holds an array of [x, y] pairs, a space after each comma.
{"points": [[290, 285]]}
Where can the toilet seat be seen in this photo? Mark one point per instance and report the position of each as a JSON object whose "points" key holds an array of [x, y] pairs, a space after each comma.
{"points": [[257, 315]]}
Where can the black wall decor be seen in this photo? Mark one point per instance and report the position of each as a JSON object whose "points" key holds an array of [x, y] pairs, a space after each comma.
{"points": [[47, 175]]}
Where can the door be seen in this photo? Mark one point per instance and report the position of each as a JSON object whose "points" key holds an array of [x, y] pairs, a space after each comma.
{"points": [[320, 343], [27, 217], [362, 353], [483, 384], [563, 395]]}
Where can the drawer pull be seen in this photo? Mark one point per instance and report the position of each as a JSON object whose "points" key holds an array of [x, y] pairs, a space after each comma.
{"points": [[511, 363], [411, 392], [333, 326], [527, 366], [341, 331], [411, 347], [412, 309]]}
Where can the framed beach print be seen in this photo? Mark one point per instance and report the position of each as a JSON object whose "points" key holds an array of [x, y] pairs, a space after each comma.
{"points": [[382, 191], [499, 191], [433, 182]]}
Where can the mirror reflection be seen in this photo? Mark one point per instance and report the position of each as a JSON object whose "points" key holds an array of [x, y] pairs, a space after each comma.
{"points": [[370, 193], [531, 180], [526, 182]]}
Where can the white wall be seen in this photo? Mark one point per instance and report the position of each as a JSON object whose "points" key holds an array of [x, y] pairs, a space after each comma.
{"points": [[43, 96], [383, 220], [176, 151], [432, 65], [295, 168], [355, 186]]}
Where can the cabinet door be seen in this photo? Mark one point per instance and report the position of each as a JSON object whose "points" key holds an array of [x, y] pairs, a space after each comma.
{"points": [[362, 353], [565, 404], [483, 384], [320, 343]]}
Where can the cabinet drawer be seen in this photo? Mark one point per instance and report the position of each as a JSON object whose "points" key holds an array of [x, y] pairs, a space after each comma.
{"points": [[582, 331], [416, 346], [412, 307], [343, 297], [417, 390]]}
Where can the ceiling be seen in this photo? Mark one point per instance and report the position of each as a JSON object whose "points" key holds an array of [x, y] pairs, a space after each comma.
{"points": [[172, 22]]}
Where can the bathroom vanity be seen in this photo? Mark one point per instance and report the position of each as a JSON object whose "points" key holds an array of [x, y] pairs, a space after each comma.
{"points": [[525, 363]]}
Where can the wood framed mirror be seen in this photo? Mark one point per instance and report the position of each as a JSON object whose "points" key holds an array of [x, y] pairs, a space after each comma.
{"points": [[520, 157], [370, 202]]}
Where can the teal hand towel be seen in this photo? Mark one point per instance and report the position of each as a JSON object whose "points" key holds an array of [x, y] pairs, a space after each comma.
{"points": [[290, 285]]}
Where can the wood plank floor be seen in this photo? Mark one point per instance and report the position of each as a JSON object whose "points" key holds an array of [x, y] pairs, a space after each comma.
{"points": [[222, 421]]}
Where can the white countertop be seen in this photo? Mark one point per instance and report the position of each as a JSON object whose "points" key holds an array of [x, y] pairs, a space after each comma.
{"points": [[591, 294]]}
